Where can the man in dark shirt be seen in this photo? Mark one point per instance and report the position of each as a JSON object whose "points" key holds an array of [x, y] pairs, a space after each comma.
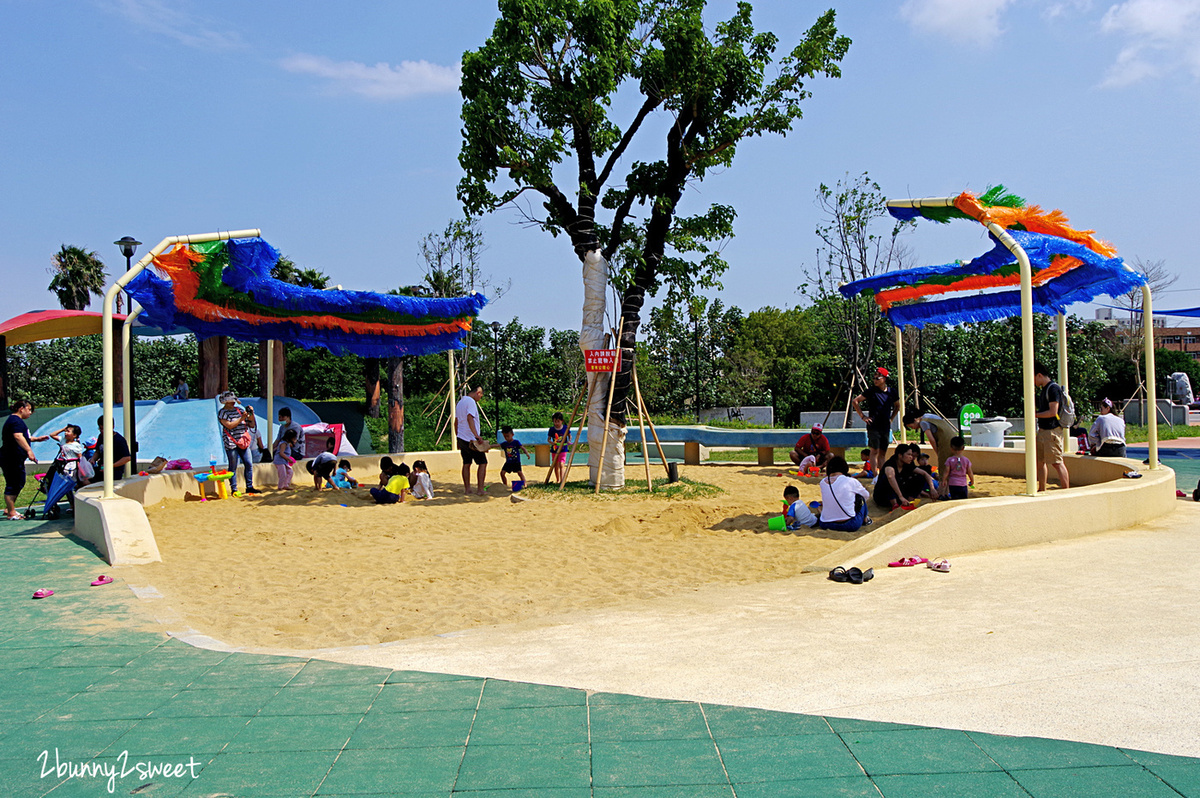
{"points": [[882, 403], [121, 456], [1049, 432], [15, 449]]}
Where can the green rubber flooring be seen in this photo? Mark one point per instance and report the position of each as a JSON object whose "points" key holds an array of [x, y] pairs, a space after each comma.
{"points": [[95, 700]]}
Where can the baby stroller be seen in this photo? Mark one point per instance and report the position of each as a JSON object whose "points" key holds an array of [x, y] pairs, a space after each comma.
{"points": [[57, 482]]}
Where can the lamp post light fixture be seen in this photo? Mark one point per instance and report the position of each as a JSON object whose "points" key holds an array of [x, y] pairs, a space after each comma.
{"points": [[496, 369], [128, 246]]}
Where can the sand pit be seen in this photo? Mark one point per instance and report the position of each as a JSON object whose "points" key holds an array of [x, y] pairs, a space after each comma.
{"points": [[296, 569]]}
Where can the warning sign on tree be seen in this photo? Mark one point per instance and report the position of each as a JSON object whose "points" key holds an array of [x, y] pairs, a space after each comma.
{"points": [[599, 359]]}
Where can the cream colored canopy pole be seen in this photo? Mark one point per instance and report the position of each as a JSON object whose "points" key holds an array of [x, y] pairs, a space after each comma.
{"points": [[900, 380], [129, 406], [1151, 386], [109, 296], [1063, 372], [1026, 328], [1026, 354], [271, 398]]}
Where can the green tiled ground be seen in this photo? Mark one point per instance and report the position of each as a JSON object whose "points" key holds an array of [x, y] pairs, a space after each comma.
{"points": [[86, 682]]}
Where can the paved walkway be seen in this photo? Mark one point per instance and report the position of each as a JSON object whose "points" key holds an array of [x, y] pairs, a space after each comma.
{"points": [[95, 696]]}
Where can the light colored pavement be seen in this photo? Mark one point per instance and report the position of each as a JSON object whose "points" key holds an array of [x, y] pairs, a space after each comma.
{"points": [[1093, 639]]}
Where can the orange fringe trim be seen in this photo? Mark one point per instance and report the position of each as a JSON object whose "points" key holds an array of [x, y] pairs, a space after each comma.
{"points": [[1035, 220], [185, 284], [976, 282]]}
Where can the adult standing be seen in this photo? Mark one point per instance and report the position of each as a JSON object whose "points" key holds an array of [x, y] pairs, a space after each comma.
{"points": [[15, 449], [939, 432], [1107, 435], [882, 403], [237, 438], [1049, 432], [812, 444], [285, 424], [466, 430]]}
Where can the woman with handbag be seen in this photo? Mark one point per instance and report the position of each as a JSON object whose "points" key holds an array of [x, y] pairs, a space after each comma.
{"points": [[236, 436]]}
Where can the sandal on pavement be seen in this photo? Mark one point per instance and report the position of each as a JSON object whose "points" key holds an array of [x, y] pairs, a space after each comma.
{"points": [[838, 574], [855, 576], [941, 566]]}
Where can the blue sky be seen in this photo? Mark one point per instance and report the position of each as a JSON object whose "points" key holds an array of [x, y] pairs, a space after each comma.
{"points": [[334, 128]]}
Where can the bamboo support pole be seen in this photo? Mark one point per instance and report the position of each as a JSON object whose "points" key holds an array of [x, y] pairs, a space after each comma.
{"points": [[637, 391], [589, 384], [642, 427], [574, 410], [612, 386]]}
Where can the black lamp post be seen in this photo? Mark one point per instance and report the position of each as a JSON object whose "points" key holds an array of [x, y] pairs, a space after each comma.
{"points": [[129, 245], [496, 369]]}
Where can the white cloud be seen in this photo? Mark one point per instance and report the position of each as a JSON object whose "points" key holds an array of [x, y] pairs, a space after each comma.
{"points": [[381, 81], [1162, 36], [168, 19], [972, 22]]}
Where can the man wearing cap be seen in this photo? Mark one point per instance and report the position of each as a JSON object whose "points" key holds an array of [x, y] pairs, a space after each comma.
{"points": [[813, 444], [882, 403]]}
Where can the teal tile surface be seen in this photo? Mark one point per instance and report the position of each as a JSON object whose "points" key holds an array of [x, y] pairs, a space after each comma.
{"points": [[497, 767], [88, 675], [917, 751], [1126, 782]]}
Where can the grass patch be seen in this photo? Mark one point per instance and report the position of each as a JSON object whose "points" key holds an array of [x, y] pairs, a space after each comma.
{"points": [[1140, 433], [580, 490]]}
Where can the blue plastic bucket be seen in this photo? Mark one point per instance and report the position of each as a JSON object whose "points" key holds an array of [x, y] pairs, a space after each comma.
{"points": [[517, 484]]}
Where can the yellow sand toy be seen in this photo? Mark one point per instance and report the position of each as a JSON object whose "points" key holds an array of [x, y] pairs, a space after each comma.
{"points": [[220, 478]]}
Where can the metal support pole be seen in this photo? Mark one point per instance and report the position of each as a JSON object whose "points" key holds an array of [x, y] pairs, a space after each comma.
{"points": [[271, 397], [129, 406], [1026, 354], [1151, 386], [1063, 370], [108, 343], [900, 380]]}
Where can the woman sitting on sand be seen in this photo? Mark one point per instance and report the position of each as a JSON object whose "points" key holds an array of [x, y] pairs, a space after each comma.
{"points": [[843, 499], [1107, 435], [899, 477]]}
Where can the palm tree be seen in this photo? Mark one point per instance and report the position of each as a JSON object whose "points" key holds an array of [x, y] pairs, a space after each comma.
{"points": [[77, 275]]}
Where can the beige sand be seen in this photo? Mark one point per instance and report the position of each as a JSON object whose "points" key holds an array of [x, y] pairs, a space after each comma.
{"points": [[295, 569]]}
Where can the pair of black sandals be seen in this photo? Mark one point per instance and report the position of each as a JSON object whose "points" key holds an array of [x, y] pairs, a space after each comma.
{"points": [[854, 576]]}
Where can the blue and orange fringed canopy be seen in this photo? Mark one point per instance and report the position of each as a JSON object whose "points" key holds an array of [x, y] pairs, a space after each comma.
{"points": [[226, 288], [1068, 266]]}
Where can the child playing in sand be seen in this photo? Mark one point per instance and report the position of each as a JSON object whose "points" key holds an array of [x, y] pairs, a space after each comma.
{"points": [[422, 485], [559, 438], [959, 475], [283, 461], [387, 470], [397, 487], [797, 515], [512, 456], [868, 469], [322, 467], [923, 464], [341, 476]]}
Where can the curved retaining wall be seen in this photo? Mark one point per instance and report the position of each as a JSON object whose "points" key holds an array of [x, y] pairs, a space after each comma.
{"points": [[1100, 500]]}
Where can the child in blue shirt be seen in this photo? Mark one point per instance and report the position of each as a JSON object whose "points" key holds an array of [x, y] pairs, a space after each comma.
{"points": [[512, 456], [342, 478], [559, 438], [797, 515]]}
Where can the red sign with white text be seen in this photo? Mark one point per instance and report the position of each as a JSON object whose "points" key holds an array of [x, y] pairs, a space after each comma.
{"points": [[599, 359]]}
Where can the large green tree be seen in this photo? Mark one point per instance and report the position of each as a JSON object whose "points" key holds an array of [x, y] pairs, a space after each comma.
{"points": [[78, 274], [538, 95]]}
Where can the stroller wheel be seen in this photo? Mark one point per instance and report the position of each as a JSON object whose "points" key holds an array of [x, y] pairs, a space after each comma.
{"points": [[30, 514], [54, 512]]}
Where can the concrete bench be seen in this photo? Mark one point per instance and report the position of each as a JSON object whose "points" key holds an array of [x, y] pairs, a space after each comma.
{"points": [[693, 437]]}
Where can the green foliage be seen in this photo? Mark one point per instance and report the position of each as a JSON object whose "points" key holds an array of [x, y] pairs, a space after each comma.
{"points": [[999, 196], [318, 374], [78, 274]]}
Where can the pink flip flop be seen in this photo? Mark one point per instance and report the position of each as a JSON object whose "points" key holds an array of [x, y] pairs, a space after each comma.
{"points": [[941, 566], [102, 580], [43, 593], [907, 562]]}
